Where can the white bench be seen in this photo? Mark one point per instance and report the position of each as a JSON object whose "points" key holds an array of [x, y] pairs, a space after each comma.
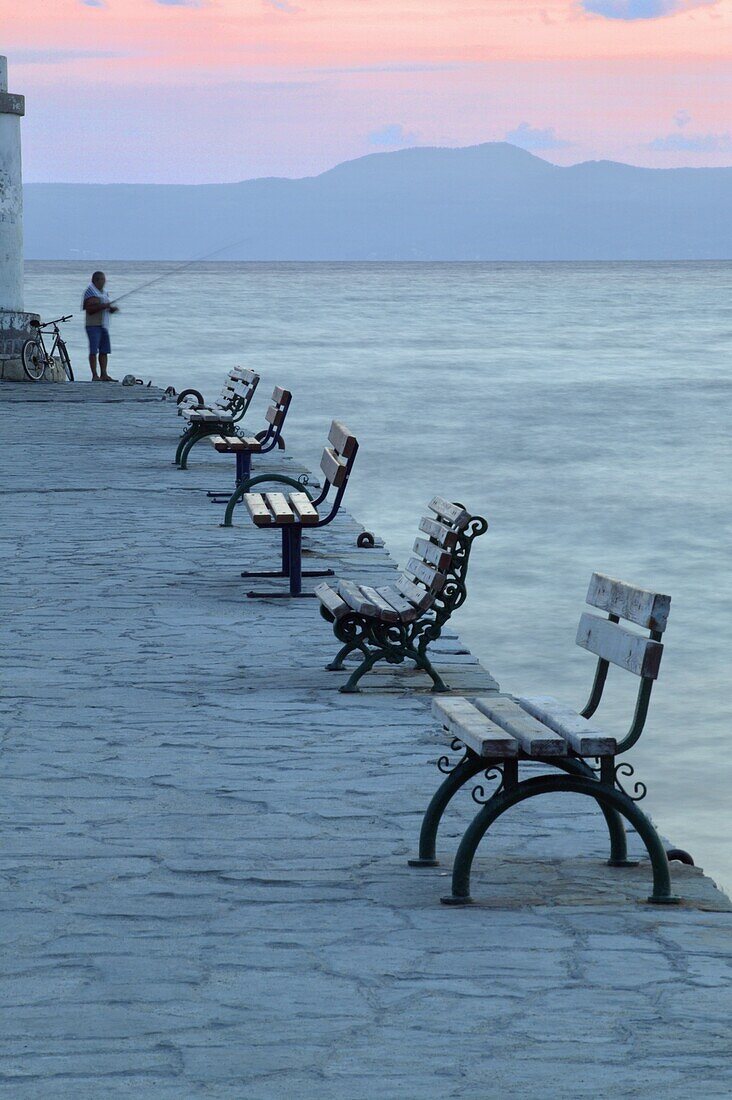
{"points": [[292, 510], [399, 621], [497, 733]]}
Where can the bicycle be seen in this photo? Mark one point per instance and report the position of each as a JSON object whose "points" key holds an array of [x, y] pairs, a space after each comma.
{"points": [[37, 358]]}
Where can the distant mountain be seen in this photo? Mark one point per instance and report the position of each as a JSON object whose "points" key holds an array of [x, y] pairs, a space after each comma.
{"points": [[485, 202]]}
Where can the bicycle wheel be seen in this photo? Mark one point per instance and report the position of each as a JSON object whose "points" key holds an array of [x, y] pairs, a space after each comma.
{"points": [[65, 360], [34, 360]]}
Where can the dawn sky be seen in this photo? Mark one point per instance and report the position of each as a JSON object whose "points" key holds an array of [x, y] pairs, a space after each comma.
{"points": [[194, 91]]}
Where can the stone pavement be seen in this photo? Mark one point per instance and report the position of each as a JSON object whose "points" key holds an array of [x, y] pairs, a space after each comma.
{"points": [[205, 888]]}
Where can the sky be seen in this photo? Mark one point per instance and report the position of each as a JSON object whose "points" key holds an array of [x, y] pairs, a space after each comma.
{"points": [[206, 91]]}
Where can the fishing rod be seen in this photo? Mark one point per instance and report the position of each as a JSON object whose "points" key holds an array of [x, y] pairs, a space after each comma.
{"points": [[177, 270]]}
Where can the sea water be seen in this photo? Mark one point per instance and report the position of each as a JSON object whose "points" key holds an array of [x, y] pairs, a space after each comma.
{"points": [[583, 409]]}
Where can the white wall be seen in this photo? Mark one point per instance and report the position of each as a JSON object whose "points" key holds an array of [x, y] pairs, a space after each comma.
{"points": [[11, 207]]}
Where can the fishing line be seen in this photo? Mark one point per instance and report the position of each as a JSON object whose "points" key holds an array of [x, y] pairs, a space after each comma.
{"points": [[177, 270]]}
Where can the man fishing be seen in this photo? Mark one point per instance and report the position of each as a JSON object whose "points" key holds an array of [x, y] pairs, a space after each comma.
{"points": [[97, 308]]}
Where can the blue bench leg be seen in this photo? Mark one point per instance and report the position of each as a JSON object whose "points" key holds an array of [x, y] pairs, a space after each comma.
{"points": [[243, 465]]}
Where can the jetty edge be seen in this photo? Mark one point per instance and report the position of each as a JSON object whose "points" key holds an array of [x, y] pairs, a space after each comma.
{"points": [[205, 843]]}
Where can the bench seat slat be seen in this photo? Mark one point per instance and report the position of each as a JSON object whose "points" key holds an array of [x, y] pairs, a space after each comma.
{"points": [[585, 739], [406, 611], [433, 554], [303, 508], [444, 536], [637, 605], [420, 597], [355, 598], [474, 729], [279, 507], [621, 647], [231, 444], [343, 441], [425, 573], [333, 467], [385, 611], [534, 738], [332, 601], [258, 510], [451, 513]]}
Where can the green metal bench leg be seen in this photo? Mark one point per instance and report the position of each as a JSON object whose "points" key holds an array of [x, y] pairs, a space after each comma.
{"points": [[188, 434], [503, 800], [336, 665], [464, 771], [423, 662], [613, 820], [188, 447], [351, 685]]}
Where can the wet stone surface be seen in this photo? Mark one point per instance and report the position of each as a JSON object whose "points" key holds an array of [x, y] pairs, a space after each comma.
{"points": [[204, 848]]}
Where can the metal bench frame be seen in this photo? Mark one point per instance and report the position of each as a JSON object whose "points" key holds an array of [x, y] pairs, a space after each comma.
{"points": [[292, 532], [236, 406], [396, 642], [267, 440], [606, 781]]}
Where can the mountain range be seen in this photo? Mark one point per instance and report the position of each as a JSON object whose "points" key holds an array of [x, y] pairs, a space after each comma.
{"points": [[485, 202]]}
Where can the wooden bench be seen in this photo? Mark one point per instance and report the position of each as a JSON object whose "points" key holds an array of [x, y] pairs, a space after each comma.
{"points": [[292, 511], [400, 621], [244, 446], [217, 418], [498, 733]]}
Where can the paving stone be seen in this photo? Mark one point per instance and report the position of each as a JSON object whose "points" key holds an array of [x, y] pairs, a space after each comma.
{"points": [[205, 890]]}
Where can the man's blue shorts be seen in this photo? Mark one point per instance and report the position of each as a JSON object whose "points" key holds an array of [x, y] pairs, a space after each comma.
{"points": [[99, 343]]}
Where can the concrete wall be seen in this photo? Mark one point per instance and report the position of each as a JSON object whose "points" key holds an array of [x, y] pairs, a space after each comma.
{"points": [[11, 197]]}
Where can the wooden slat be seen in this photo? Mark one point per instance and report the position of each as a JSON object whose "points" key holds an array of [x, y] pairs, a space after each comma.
{"points": [[258, 510], [585, 739], [420, 597], [333, 467], [243, 389], [464, 721], [534, 739], [455, 516], [425, 573], [445, 536], [406, 611], [343, 441], [433, 554], [332, 601], [303, 507], [232, 444], [386, 611], [356, 599], [637, 605], [621, 647], [277, 503], [273, 414]]}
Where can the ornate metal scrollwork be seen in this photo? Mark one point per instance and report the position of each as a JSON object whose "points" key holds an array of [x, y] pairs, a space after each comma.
{"points": [[478, 793], [639, 789], [303, 480], [444, 764]]}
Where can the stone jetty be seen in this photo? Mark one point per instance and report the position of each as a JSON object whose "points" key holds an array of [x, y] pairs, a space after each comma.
{"points": [[204, 845]]}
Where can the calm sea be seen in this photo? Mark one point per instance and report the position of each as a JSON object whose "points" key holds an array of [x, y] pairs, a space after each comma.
{"points": [[584, 409]]}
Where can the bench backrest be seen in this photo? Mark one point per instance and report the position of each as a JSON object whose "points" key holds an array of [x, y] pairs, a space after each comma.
{"points": [[435, 574], [238, 392], [276, 412], [336, 464], [617, 645]]}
